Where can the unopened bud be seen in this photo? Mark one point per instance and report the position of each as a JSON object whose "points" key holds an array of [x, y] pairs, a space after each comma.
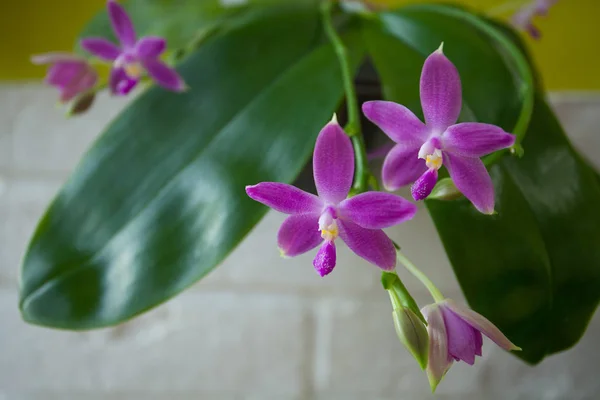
{"points": [[445, 190], [81, 103], [413, 334]]}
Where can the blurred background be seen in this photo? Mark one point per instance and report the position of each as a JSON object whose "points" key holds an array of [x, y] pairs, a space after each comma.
{"points": [[258, 327]]}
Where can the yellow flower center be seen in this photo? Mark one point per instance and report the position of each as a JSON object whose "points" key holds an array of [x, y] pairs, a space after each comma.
{"points": [[330, 232], [435, 160], [134, 70]]}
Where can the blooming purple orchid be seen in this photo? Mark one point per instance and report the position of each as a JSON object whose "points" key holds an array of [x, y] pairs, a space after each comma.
{"points": [[70, 74], [524, 17], [134, 57], [455, 335], [315, 220], [421, 149]]}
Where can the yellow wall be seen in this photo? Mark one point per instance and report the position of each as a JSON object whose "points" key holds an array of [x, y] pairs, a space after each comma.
{"points": [[568, 53]]}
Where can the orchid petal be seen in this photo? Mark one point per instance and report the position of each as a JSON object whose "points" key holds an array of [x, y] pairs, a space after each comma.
{"points": [[401, 167], [439, 361], [474, 139], [424, 185], [396, 121], [333, 163], [482, 324], [377, 210], [371, 244], [54, 57], [164, 75], [441, 92], [150, 47], [121, 24], [101, 48], [62, 73], [285, 198], [298, 234], [473, 180], [462, 337], [82, 83], [325, 259], [120, 83]]}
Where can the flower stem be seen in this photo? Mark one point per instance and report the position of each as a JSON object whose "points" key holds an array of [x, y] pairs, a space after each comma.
{"points": [[412, 268], [352, 128]]}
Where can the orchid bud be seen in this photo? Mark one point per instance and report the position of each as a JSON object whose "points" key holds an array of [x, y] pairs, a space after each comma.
{"points": [[413, 334], [81, 103], [445, 190]]}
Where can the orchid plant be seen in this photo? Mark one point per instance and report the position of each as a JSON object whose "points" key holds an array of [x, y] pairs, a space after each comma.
{"points": [[242, 95]]}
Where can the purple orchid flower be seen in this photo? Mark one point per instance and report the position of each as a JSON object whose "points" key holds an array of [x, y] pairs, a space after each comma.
{"points": [[523, 19], [134, 57], [70, 74], [315, 220], [422, 149], [455, 335]]}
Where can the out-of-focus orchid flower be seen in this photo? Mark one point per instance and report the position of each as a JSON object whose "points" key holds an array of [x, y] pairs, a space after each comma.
{"points": [[70, 74], [319, 220], [421, 149], [455, 335], [134, 57], [523, 19]]}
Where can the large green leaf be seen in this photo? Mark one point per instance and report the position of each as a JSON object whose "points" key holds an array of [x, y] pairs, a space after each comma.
{"points": [[159, 199], [533, 269]]}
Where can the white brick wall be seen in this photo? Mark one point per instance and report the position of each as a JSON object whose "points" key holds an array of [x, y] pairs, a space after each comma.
{"points": [[258, 327]]}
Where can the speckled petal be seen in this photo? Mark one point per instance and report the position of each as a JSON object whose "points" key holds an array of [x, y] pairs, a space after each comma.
{"points": [[441, 91], [401, 167], [371, 244], [377, 210], [121, 23], [285, 198], [298, 234], [474, 139], [473, 180], [396, 121], [333, 163], [482, 324]]}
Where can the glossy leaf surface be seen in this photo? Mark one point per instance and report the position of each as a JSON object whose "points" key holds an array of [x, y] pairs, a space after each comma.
{"points": [[159, 200], [533, 269]]}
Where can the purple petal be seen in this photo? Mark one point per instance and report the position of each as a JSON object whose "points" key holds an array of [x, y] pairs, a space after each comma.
{"points": [[371, 244], [101, 48], [377, 210], [325, 259], [333, 163], [441, 92], [474, 139], [62, 73], [472, 179], [424, 185], [150, 47], [401, 167], [121, 24], [120, 83], [164, 75], [462, 338], [82, 83], [285, 198], [54, 57], [439, 361], [396, 121], [298, 234], [482, 324]]}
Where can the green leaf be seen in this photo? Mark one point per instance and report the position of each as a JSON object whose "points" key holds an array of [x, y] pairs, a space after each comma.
{"points": [[159, 200], [534, 268]]}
